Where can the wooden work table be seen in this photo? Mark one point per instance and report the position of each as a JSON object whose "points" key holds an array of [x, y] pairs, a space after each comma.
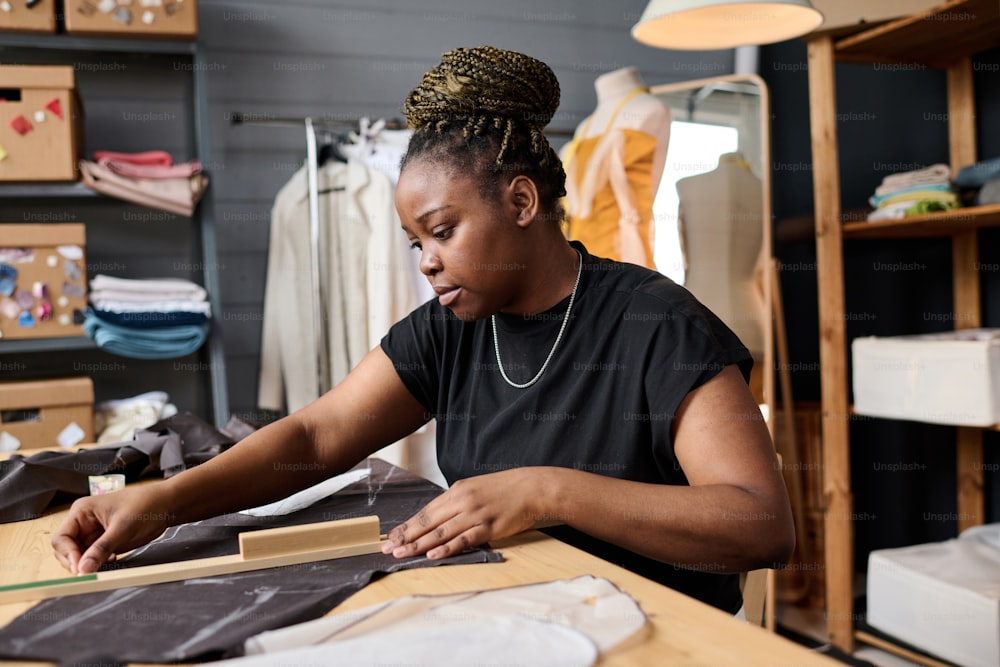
{"points": [[681, 630]]}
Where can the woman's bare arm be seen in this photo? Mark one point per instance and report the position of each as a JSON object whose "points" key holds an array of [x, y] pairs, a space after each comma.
{"points": [[368, 410]]}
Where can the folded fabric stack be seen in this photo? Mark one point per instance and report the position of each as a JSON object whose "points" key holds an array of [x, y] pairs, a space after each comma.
{"points": [[914, 193], [150, 178], [147, 319]]}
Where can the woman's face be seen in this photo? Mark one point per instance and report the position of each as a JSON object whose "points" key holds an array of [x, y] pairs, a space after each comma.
{"points": [[470, 248]]}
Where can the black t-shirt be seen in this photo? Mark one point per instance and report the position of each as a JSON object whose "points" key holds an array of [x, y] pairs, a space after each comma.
{"points": [[635, 345]]}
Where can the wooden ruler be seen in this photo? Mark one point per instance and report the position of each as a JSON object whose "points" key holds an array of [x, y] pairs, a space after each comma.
{"points": [[260, 549]]}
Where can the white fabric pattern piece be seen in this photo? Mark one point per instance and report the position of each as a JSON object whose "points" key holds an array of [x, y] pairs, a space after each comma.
{"points": [[310, 496], [507, 640], [593, 607]]}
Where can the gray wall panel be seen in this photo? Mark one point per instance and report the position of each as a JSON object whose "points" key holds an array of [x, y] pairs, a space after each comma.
{"points": [[243, 225], [241, 278]]}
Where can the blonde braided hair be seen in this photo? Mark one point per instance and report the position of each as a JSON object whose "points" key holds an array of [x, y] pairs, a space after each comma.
{"points": [[485, 108]]}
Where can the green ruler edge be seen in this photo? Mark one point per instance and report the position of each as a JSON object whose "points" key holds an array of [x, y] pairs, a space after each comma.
{"points": [[49, 582]]}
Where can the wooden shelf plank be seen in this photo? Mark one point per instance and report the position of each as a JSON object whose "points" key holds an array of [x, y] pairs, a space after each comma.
{"points": [[936, 38], [947, 223]]}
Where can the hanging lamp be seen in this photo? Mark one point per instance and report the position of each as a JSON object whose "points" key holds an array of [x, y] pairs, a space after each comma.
{"points": [[704, 25]]}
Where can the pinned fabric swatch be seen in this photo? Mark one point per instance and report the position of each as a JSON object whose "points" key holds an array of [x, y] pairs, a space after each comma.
{"points": [[44, 311], [55, 107], [123, 15], [73, 291], [72, 270], [70, 436], [20, 124], [9, 308], [70, 251], [26, 320], [24, 298], [8, 279], [8, 443]]}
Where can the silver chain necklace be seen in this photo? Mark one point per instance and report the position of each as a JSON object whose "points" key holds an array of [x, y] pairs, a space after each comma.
{"points": [[569, 309]]}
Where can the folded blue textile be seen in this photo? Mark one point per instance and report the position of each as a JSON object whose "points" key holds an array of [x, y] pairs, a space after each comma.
{"points": [[159, 343], [151, 320], [974, 176]]}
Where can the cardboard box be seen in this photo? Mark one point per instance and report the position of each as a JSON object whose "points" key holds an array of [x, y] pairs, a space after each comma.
{"points": [[133, 18], [946, 378], [46, 413], [53, 256], [943, 598], [40, 121], [39, 17]]}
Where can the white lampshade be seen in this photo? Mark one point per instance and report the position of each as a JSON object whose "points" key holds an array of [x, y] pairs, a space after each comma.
{"points": [[723, 24]]}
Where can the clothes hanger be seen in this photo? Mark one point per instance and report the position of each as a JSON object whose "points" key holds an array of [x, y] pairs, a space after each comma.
{"points": [[330, 150]]}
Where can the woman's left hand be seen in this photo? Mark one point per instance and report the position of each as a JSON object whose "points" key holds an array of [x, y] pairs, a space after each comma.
{"points": [[473, 511]]}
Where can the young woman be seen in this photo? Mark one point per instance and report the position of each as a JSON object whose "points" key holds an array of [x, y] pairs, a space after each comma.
{"points": [[565, 387]]}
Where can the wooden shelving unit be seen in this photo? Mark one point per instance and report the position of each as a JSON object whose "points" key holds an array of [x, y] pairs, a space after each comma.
{"points": [[944, 37]]}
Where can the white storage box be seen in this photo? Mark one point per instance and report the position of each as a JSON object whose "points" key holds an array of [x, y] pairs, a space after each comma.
{"points": [[943, 598], [946, 378]]}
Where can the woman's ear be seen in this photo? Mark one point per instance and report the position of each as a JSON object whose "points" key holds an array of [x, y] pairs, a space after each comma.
{"points": [[524, 195]]}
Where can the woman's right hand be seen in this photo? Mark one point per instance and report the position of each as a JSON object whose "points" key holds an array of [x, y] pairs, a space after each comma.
{"points": [[98, 528]]}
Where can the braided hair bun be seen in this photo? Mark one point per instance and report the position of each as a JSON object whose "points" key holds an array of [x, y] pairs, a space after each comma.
{"points": [[486, 107], [484, 85]]}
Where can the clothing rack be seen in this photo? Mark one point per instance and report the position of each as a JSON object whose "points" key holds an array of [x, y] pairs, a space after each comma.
{"points": [[312, 183]]}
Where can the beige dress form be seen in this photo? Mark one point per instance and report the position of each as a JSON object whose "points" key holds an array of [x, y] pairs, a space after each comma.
{"points": [[721, 228]]}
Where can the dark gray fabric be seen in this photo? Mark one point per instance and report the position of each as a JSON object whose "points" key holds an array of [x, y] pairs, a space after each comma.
{"points": [[210, 618], [31, 485]]}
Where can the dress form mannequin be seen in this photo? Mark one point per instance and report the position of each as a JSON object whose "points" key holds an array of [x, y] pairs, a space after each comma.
{"points": [[613, 167], [721, 229]]}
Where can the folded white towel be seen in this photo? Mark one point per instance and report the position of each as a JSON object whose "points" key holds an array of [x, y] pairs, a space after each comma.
{"points": [[147, 286], [202, 307], [141, 297], [936, 174]]}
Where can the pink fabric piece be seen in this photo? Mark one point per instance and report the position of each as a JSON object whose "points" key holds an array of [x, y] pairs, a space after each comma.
{"points": [[177, 195], [151, 164], [151, 158]]}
